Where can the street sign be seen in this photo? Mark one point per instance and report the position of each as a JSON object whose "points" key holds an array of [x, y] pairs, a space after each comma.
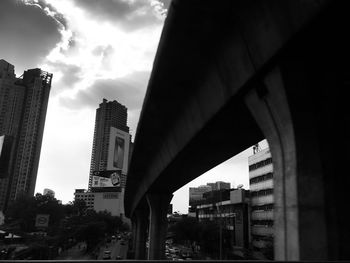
{"points": [[42, 220]]}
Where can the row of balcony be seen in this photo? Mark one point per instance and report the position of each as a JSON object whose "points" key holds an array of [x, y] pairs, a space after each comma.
{"points": [[262, 215], [262, 230]]}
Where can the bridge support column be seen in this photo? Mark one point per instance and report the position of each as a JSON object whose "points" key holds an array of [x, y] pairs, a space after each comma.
{"points": [[131, 248], [140, 219], [301, 108], [269, 106], [158, 204]]}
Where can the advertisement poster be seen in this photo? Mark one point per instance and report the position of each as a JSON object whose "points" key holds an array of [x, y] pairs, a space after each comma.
{"points": [[118, 157], [118, 151], [106, 180]]}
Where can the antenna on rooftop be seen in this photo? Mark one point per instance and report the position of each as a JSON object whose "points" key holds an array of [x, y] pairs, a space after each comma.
{"points": [[256, 148]]}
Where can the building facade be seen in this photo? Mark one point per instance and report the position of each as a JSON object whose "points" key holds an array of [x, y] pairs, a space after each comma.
{"points": [[23, 106], [112, 202], [219, 185], [196, 193], [110, 158], [228, 207], [109, 114], [262, 200]]}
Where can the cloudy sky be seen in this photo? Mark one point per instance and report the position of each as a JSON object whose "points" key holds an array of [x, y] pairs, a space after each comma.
{"points": [[95, 49]]}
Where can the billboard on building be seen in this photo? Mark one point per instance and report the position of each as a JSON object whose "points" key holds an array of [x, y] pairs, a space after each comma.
{"points": [[104, 181], [118, 151]]}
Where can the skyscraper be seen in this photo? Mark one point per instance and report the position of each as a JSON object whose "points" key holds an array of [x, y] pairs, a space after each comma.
{"points": [[109, 114], [23, 106]]}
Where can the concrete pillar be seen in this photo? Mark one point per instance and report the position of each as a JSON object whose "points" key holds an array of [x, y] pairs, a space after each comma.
{"points": [[140, 217], [158, 204], [133, 233], [300, 107], [269, 107], [316, 89]]}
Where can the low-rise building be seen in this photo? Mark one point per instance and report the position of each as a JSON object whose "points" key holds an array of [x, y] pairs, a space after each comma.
{"points": [[229, 207], [112, 202]]}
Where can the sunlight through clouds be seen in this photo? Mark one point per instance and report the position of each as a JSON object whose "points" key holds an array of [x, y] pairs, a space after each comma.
{"points": [[129, 50], [106, 50]]}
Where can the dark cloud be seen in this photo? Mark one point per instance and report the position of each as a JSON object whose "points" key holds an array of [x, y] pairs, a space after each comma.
{"points": [[70, 76], [130, 15], [27, 34], [129, 91], [56, 15]]}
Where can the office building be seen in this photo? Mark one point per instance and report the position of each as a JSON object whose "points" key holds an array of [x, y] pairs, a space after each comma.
{"points": [[229, 208], [262, 200], [219, 185], [86, 196], [102, 201], [23, 105], [196, 193]]}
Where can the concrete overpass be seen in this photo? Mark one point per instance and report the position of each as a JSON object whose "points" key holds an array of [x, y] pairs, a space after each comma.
{"points": [[228, 74]]}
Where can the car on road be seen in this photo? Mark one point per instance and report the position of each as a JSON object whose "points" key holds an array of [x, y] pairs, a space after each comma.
{"points": [[118, 257], [106, 254]]}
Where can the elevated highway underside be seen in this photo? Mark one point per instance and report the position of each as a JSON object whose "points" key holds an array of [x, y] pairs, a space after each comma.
{"points": [[229, 74]]}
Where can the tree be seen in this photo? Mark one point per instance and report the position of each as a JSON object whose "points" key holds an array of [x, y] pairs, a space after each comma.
{"points": [[25, 209], [186, 230], [91, 233], [72, 221], [209, 237], [206, 234]]}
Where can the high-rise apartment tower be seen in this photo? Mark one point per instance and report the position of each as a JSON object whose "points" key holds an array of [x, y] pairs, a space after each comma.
{"points": [[109, 114], [23, 106]]}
